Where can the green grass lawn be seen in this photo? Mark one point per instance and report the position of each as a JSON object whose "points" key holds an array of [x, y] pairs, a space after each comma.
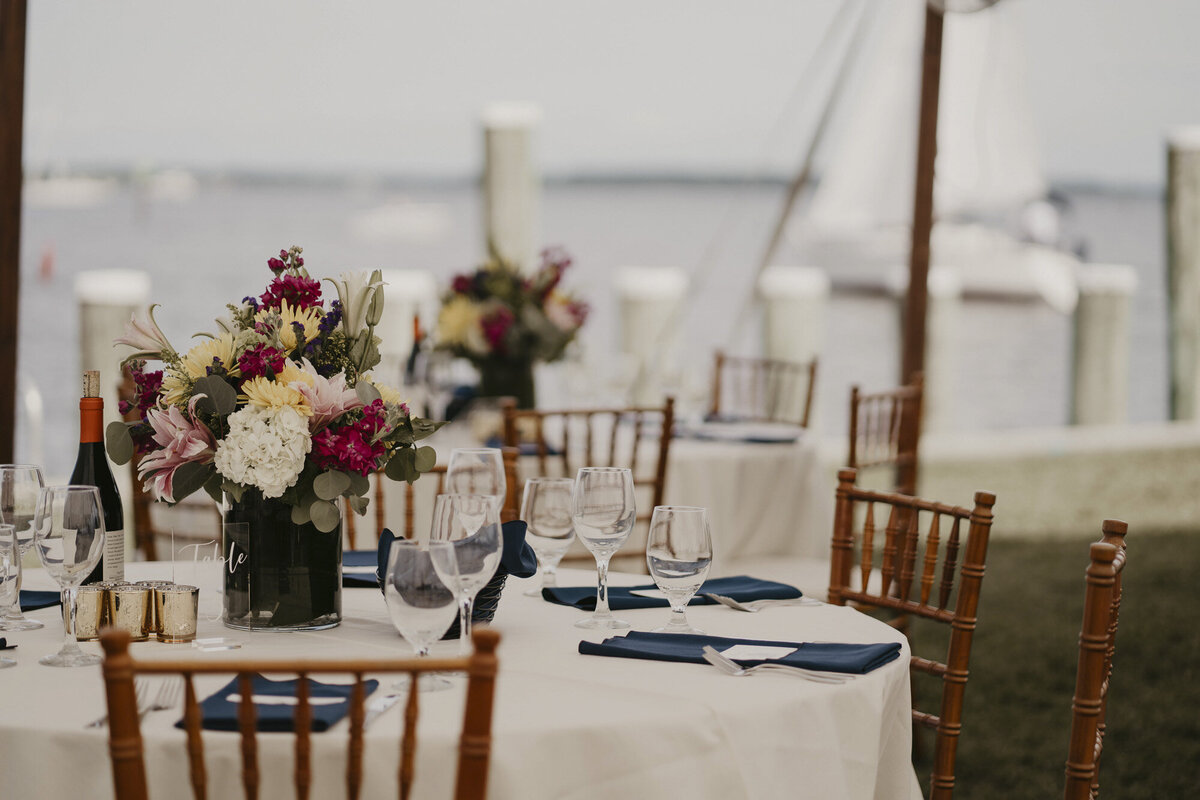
{"points": [[1017, 716]]}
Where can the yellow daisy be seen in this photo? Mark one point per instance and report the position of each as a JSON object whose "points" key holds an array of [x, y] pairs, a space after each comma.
{"points": [[265, 393], [292, 372], [197, 360], [309, 318]]}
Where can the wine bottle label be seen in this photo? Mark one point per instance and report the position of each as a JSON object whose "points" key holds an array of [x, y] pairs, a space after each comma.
{"points": [[114, 556]]}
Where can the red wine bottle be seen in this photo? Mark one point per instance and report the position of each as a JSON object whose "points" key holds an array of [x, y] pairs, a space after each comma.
{"points": [[92, 469]]}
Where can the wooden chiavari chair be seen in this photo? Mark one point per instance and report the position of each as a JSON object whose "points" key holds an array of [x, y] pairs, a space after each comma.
{"points": [[762, 389], [1097, 642], [910, 582], [509, 512], [885, 429], [564, 441], [125, 738]]}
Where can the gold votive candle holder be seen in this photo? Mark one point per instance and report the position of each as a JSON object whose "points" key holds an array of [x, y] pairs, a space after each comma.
{"points": [[151, 610], [128, 609], [90, 612], [176, 609]]}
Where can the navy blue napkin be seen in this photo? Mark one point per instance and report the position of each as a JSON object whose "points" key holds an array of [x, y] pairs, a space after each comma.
{"points": [[516, 559], [742, 588], [524, 448], [220, 714], [686, 647], [33, 600]]}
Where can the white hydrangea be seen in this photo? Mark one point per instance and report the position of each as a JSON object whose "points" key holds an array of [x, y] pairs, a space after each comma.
{"points": [[265, 448]]}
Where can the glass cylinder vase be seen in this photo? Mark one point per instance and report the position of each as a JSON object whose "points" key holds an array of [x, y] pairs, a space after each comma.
{"points": [[508, 377], [278, 575]]}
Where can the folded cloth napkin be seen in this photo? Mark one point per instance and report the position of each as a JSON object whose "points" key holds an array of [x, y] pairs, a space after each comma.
{"points": [[686, 647], [524, 448], [516, 559], [277, 708], [742, 588], [33, 600]]}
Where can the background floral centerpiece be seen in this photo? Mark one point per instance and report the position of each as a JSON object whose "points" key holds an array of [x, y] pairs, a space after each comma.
{"points": [[277, 414], [505, 321]]}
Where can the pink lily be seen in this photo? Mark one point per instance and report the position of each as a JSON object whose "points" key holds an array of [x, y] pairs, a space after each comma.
{"points": [[145, 337], [329, 398], [181, 439]]}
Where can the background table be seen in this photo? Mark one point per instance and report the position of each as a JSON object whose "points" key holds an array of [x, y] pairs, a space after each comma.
{"points": [[565, 726]]}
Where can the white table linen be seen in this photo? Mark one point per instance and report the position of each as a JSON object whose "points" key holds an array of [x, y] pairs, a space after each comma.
{"points": [[566, 725]]}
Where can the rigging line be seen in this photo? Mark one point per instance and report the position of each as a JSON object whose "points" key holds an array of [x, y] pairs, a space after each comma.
{"points": [[736, 211], [853, 51]]}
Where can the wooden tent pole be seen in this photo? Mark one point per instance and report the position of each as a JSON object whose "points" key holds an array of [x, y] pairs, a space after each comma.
{"points": [[913, 353], [12, 105]]}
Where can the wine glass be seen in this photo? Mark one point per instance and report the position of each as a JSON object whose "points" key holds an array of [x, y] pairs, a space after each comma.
{"points": [[546, 509], [477, 471], [679, 553], [19, 487], [604, 510], [420, 602], [10, 556], [69, 533], [471, 524]]}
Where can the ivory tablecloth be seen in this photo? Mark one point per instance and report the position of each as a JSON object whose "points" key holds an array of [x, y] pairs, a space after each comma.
{"points": [[566, 725]]}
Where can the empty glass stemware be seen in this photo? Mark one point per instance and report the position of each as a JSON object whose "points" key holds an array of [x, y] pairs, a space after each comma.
{"points": [[546, 509], [421, 603], [477, 471], [471, 523], [19, 487], [10, 555], [69, 534], [604, 510], [679, 554]]}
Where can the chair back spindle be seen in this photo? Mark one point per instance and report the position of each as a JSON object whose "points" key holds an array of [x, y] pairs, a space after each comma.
{"points": [[762, 389], [885, 429]]}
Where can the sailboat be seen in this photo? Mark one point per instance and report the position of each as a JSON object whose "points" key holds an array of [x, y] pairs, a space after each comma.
{"points": [[994, 226]]}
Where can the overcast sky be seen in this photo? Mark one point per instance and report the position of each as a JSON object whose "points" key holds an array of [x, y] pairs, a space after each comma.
{"points": [[653, 85]]}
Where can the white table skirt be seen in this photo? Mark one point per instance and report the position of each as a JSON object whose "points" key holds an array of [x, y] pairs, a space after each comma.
{"points": [[565, 725]]}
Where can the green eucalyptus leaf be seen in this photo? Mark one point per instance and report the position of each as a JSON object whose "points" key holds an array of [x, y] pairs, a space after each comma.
{"points": [[213, 487], [402, 466], [423, 428], [219, 397], [367, 393], [358, 504], [189, 477], [425, 458], [301, 515], [359, 484], [324, 515], [119, 443], [234, 490], [330, 484]]}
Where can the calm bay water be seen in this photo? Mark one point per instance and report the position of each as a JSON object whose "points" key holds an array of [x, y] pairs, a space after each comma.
{"points": [[1013, 358]]}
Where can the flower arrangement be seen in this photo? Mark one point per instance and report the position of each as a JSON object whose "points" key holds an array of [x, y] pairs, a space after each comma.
{"points": [[279, 400], [497, 313]]}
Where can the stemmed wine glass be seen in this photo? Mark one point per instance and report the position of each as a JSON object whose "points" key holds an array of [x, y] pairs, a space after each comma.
{"points": [[69, 533], [471, 523], [477, 471], [679, 554], [10, 555], [19, 487], [546, 509], [604, 510], [420, 602]]}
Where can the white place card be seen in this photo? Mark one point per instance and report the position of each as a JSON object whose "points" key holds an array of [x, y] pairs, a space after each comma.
{"points": [[757, 652]]}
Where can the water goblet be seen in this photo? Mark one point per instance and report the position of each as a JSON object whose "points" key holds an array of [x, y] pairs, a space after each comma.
{"points": [[679, 554], [420, 602], [10, 555], [546, 509], [471, 524], [69, 534], [604, 509], [19, 487], [477, 471]]}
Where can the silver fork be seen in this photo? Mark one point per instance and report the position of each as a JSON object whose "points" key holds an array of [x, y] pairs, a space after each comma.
{"points": [[758, 605], [141, 693], [731, 667], [167, 697]]}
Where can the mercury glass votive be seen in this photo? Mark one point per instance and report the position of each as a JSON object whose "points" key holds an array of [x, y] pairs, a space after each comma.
{"points": [[128, 610], [176, 610], [90, 612], [151, 607]]}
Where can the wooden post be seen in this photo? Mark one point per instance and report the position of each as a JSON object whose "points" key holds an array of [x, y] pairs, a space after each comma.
{"points": [[511, 196], [1183, 269], [913, 355], [1100, 363], [12, 107], [794, 301]]}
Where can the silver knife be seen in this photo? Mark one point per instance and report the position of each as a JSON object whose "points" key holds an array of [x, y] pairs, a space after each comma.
{"points": [[379, 705]]}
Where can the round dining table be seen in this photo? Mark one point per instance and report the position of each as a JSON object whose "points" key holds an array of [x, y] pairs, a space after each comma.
{"points": [[565, 725]]}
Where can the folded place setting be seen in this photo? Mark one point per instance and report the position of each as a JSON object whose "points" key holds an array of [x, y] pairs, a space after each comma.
{"points": [[742, 588], [275, 704]]}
